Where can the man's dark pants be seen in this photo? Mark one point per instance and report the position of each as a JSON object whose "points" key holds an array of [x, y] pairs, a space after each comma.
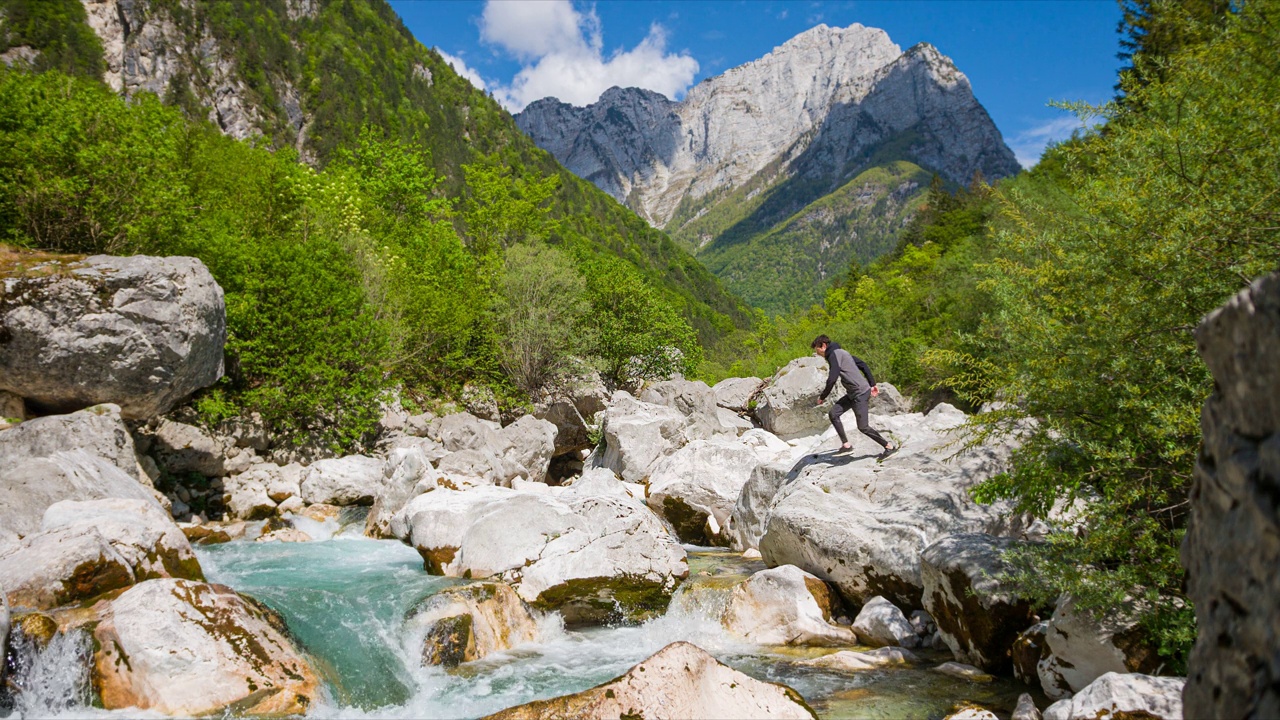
{"points": [[859, 407]]}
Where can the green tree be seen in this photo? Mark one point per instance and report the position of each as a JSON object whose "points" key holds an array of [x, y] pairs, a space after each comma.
{"points": [[540, 315], [1170, 211]]}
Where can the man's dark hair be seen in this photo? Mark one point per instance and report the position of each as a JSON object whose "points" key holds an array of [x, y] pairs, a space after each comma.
{"points": [[820, 340]]}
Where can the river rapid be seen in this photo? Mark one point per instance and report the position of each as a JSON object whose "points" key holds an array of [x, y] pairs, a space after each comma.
{"points": [[345, 596]]}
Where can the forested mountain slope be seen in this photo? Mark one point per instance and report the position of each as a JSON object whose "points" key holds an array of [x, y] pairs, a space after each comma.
{"points": [[308, 75]]}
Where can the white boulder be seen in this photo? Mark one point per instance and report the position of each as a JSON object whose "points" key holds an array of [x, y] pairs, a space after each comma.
{"points": [[349, 480], [638, 434], [185, 648], [880, 622], [784, 606], [854, 661], [1123, 695], [81, 456], [1080, 648], [863, 524], [735, 393], [695, 487], [594, 559], [679, 681], [532, 442], [467, 623], [141, 332], [978, 615], [788, 405]]}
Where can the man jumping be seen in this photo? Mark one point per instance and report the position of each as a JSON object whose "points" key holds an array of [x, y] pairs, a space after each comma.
{"points": [[859, 385]]}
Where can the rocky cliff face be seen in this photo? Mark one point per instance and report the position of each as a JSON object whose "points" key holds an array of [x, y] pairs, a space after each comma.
{"points": [[819, 106], [146, 50], [1232, 546]]}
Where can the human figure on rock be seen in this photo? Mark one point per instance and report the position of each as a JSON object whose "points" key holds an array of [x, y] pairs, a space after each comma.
{"points": [[859, 387]]}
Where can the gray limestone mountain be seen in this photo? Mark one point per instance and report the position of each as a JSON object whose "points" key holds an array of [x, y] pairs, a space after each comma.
{"points": [[781, 171]]}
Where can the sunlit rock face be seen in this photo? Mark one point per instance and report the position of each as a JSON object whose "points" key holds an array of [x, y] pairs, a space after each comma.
{"points": [[815, 105]]}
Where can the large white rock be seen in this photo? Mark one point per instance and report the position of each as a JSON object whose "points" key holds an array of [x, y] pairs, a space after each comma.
{"points": [[595, 558], [87, 548], [533, 442], [638, 434], [185, 648], [679, 681], [784, 606], [1080, 648], [695, 487], [978, 616], [404, 469], [50, 569], [788, 405], [245, 496], [82, 456], [1123, 695], [350, 480], [141, 332], [736, 393], [464, 431], [694, 400], [863, 524], [467, 623], [144, 534], [480, 467], [880, 622]]}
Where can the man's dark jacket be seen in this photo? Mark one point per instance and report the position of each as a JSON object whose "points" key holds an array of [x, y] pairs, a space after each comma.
{"points": [[850, 370]]}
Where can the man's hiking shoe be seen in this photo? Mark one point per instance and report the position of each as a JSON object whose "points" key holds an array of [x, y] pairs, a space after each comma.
{"points": [[842, 450], [888, 452]]}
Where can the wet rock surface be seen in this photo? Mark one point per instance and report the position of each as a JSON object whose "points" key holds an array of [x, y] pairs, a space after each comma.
{"points": [[186, 648]]}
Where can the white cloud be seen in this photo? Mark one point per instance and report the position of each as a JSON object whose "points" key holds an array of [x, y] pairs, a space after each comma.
{"points": [[463, 69], [562, 55], [1029, 145]]}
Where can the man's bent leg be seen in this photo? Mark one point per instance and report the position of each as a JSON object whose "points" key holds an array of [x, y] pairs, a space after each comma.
{"points": [[841, 407], [860, 412]]}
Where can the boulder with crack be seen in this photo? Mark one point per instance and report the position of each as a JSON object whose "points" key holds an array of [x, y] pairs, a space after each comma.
{"points": [[467, 623], [863, 524], [693, 399], [141, 332], [785, 606], [978, 615], [679, 681], [736, 393], [788, 405], [185, 648], [695, 487], [85, 455], [594, 559], [638, 434]]}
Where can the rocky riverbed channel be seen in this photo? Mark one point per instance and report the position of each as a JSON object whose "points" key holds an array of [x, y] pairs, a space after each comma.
{"points": [[710, 555]]}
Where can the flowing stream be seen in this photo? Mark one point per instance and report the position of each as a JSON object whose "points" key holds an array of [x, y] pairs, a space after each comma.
{"points": [[345, 598]]}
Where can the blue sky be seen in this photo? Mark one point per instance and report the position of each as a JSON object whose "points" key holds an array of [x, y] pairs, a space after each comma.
{"points": [[1018, 54]]}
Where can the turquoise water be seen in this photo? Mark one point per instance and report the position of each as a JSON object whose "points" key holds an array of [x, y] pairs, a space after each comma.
{"points": [[345, 600]]}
